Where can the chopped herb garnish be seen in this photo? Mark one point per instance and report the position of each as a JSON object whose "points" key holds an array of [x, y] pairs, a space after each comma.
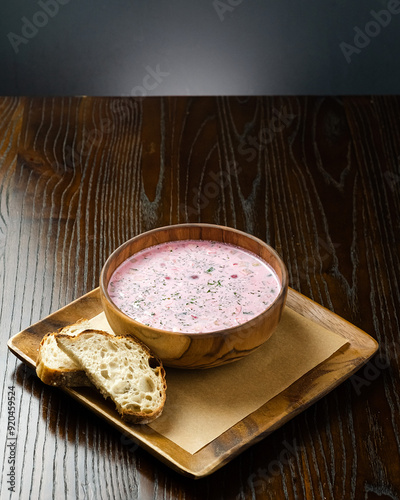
{"points": [[184, 273]]}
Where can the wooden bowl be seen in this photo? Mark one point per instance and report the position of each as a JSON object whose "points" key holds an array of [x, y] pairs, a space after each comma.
{"points": [[197, 350]]}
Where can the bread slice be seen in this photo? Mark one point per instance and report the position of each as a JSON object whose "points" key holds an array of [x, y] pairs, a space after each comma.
{"points": [[56, 368], [123, 369]]}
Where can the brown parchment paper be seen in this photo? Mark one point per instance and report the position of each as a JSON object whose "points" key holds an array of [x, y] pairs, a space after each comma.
{"points": [[202, 404]]}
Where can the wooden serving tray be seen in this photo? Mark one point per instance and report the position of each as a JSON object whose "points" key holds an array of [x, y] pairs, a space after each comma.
{"points": [[297, 397]]}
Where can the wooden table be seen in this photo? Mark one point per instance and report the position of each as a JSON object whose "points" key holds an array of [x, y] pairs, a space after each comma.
{"points": [[317, 178]]}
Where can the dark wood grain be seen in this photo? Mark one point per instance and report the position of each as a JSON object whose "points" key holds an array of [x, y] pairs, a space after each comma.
{"points": [[357, 349], [317, 178]]}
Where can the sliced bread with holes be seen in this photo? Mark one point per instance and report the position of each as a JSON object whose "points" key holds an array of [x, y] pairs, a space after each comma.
{"points": [[123, 369], [56, 368]]}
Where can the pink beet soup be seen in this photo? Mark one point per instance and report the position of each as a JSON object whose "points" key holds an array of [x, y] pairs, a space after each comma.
{"points": [[193, 286]]}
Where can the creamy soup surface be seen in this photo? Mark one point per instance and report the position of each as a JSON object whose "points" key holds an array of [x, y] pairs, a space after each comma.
{"points": [[193, 286]]}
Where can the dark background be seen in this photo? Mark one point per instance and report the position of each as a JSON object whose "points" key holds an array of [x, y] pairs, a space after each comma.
{"points": [[234, 47]]}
